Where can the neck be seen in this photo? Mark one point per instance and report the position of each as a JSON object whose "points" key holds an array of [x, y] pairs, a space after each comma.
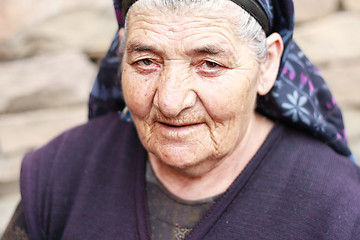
{"points": [[219, 178]]}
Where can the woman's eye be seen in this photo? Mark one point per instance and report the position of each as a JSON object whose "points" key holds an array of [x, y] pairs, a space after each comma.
{"points": [[211, 65], [210, 68], [145, 62], [146, 65]]}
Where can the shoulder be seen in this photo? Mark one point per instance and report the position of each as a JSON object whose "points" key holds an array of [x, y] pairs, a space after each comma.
{"points": [[80, 161], [321, 182], [309, 160]]}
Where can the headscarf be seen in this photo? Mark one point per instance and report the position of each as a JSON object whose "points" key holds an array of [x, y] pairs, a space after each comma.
{"points": [[300, 97]]}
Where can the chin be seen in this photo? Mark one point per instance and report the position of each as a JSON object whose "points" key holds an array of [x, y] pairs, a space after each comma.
{"points": [[186, 162]]}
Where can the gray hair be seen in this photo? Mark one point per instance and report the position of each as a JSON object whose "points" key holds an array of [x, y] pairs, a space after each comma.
{"points": [[245, 26]]}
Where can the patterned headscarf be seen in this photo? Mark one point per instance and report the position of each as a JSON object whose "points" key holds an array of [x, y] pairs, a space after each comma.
{"points": [[299, 98]]}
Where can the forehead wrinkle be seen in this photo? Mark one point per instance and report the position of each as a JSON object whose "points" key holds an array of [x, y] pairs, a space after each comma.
{"points": [[165, 28], [172, 24], [218, 12], [153, 43]]}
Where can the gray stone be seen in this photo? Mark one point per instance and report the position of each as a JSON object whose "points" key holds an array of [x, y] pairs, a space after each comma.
{"points": [[309, 9], [352, 119], [8, 188], [343, 80], [45, 81], [9, 171], [87, 30], [17, 15], [18, 131], [355, 148], [330, 39], [8, 204], [352, 5]]}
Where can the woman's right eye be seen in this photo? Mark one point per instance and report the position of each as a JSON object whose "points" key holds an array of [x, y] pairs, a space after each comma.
{"points": [[145, 62], [146, 65]]}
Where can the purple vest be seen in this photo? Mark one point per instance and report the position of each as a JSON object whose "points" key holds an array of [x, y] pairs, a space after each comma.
{"points": [[89, 183]]}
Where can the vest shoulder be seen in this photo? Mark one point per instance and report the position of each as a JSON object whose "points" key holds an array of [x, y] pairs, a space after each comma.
{"points": [[312, 165], [84, 166]]}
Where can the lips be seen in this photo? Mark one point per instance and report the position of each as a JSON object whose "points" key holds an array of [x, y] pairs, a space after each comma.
{"points": [[177, 130], [179, 125]]}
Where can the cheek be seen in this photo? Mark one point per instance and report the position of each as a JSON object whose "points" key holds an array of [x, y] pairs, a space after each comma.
{"points": [[138, 93], [230, 106], [226, 102]]}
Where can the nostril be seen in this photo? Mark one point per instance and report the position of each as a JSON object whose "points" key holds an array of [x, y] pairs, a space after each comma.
{"points": [[171, 99]]}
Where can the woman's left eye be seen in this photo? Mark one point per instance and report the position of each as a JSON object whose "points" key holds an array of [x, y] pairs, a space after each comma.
{"points": [[211, 65], [210, 68]]}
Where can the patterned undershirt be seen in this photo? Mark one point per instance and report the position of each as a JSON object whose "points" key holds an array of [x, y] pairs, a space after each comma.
{"points": [[170, 217]]}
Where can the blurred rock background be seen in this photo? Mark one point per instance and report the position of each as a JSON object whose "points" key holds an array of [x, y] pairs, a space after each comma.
{"points": [[49, 55]]}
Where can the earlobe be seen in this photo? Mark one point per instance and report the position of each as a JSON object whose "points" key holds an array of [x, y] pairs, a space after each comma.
{"points": [[271, 65]]}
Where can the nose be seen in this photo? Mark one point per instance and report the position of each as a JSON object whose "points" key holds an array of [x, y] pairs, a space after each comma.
{"points": [[174, 92]]}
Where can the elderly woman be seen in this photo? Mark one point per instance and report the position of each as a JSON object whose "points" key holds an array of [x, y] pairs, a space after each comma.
{"points": [[208, 146]]}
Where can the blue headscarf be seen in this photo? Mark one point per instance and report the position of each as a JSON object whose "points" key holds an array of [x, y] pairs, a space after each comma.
{"points": [[299, 98]]}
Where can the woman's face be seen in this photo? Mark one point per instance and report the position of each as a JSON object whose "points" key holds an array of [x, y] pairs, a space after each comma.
{"points": [[190, 85]]}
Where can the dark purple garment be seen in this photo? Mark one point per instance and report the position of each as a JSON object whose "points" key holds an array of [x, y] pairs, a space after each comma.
{"points": [[89, 183]]}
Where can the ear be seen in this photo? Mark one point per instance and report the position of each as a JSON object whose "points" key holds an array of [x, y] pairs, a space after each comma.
{"points": [[270, 68]]}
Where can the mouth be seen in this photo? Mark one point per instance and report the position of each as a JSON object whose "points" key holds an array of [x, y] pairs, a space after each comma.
{"points": [[183, 125], [179, 124], [176, 130]]}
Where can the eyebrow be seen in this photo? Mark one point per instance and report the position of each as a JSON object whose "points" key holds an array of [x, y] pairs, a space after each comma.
{"points": [[139, 47], [211, 49]]}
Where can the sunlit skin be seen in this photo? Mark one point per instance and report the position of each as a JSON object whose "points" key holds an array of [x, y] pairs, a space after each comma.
{"points": [[191, 85]]}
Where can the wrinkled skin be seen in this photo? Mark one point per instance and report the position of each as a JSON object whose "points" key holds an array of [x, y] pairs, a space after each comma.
{"points": [[191, 85]]}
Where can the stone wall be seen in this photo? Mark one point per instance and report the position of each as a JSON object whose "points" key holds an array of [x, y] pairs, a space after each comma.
{"points": [[47, 55]]}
